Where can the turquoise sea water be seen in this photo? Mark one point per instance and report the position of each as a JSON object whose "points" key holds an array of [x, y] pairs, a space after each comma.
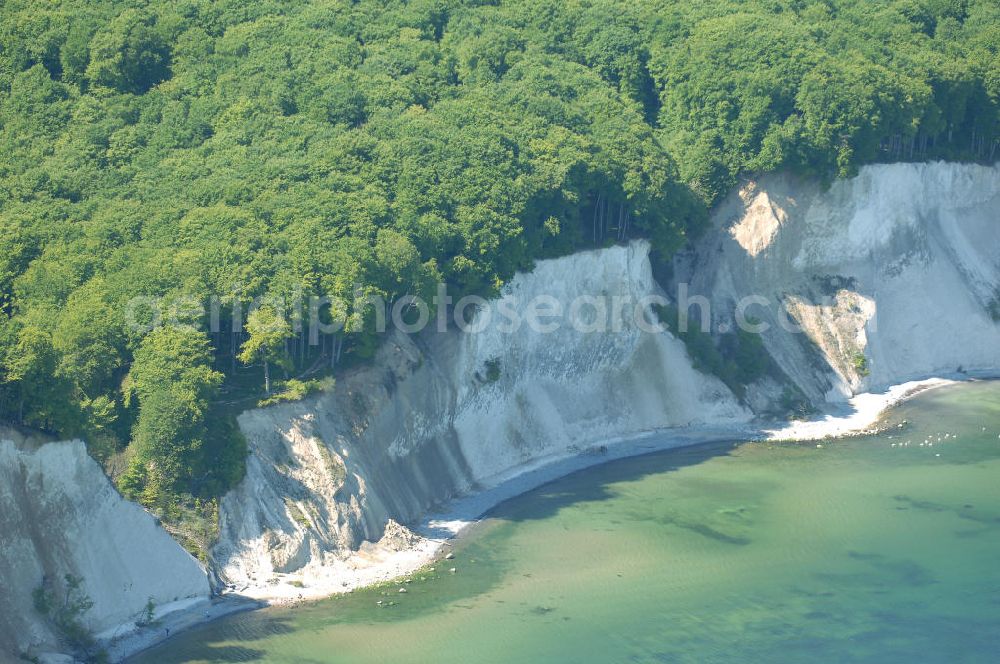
{"points": [[860, 550]]}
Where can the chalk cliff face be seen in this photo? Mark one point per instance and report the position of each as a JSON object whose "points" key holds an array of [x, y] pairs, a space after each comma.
{"points": [[59, 515], [890, 276]]}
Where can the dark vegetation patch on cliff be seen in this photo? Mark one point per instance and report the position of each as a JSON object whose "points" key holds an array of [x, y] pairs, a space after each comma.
{"points": [[738, 357]]}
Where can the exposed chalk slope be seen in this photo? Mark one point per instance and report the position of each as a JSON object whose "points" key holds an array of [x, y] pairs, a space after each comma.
{"points": [[899, 266], [59, 514]]}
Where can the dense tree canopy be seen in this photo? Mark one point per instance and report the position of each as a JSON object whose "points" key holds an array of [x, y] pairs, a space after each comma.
{"points": [[273, 149]]}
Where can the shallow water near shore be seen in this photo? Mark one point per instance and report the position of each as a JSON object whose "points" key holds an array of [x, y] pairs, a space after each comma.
{"points": [[871, 549]]}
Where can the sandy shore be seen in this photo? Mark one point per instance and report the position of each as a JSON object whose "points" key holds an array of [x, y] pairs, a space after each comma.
{"points": [[858, 414], [431, 538], [183, 618], [380, 563]]}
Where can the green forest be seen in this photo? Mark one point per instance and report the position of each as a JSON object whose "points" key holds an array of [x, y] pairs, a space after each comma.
{"points": [[265, 149]]}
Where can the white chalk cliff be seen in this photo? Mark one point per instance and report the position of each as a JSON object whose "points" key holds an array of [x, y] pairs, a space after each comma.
{"points": [[427, 421], [900, 264], [892, 275], [59, 515]]}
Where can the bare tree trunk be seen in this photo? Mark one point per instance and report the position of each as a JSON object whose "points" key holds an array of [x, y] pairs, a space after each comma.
{"points": [[597, 207], [600, 222], [607, 215], [600, 219], [267, 377]]}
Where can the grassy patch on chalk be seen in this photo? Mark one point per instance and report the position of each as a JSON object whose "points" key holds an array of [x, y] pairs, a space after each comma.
{"points": [[860, 364], [294, 389]]}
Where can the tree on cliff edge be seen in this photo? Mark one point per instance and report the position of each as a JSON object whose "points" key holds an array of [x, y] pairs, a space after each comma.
{"points": [[268, 332]]}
